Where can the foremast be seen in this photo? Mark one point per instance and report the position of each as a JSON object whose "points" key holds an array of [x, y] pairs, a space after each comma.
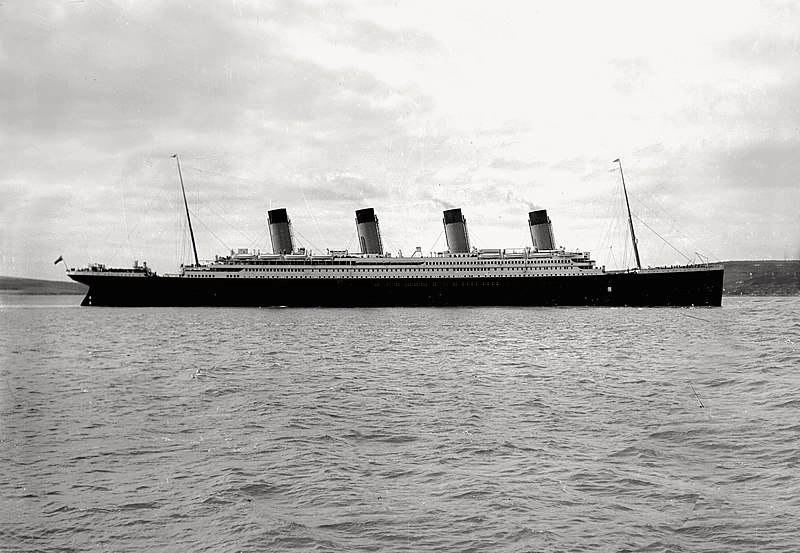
{"points": [[630, 219], [188, 217]]}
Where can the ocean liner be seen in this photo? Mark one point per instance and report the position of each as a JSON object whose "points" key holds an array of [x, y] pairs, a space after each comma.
{"points": [[539, 275]]}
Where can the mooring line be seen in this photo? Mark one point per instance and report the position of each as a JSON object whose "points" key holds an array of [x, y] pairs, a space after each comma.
{"points": [[695, 395]]}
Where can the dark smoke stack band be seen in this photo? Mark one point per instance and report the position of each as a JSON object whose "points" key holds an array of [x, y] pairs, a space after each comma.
{"points": [[455, 231], [280, 231], [541, 230], [369, 233]]}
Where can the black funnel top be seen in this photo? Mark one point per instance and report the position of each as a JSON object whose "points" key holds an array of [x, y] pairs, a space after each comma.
{"points": [[278, 216], [366, 215], [538, 217], [453, 216]]}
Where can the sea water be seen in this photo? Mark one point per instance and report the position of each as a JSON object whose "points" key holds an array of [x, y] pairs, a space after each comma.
{"points": [[447, 429]]}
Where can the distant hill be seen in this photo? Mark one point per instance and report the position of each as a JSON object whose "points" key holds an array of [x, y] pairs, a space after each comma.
{"points": [[761, 278], [754, 278], [13, 285]]}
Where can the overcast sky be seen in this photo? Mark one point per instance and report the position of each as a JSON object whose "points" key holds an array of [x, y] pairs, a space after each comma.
{"points": [[408, 107]]}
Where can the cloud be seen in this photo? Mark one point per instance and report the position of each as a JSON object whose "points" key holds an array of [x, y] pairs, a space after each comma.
{"points": [[345, 188], [767, 165], [369, 36], [631, 74], [408, 108], [514, 164]]}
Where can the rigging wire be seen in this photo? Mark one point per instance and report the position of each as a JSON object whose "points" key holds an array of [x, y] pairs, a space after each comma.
{"points": [[612, 232], [664, 239], [313, 219], [625, 256], [232, 220], [237, 229], [671, 221], [664, 216], [389, 242], [235, 218], [179, 231], [436, 241], [295, 231], [148, 211], [353, 235], [217, 207], [125, 222], [611, 253], [184, 253], [676, 228], [523, 241], [257, 242], [229, 177], [196, 218], [477, 238], [671, 224], [561, 241]]}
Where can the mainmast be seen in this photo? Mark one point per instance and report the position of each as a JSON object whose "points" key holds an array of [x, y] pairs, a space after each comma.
{"points": [[630, 219], [188, 218]]}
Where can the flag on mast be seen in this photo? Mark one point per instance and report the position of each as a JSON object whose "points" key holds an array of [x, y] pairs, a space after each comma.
{"points": [[59, 260]]}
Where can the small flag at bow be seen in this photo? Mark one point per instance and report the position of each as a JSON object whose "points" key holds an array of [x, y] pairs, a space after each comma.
{"points": [[615, 161], [59, 260]]}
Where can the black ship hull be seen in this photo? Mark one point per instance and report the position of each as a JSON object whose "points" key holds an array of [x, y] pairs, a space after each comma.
{"points": [[689, 287]]}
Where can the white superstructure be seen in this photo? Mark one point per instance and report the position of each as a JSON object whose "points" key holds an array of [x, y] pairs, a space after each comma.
{"points": [[477, 264]]}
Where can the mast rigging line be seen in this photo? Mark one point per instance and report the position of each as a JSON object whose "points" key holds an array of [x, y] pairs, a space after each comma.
{"points": [[189, 219], [297, 232], [667, 242], [611, 231], [205, 226], [125, 221], [220, 210], [230, 219], [234, 227], [675, 227], [437, 240], [313, 219], [148, 211], [389, 242], [258, 241], [477, 238]]}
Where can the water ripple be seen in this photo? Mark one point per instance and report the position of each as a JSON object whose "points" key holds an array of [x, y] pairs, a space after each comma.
{"points": [[400, 429]]}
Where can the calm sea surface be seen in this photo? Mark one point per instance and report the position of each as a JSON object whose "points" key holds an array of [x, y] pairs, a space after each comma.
{"points": [[464, 429]]}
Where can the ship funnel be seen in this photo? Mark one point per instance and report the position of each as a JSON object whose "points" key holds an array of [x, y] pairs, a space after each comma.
{"points": [[455, 231], [280, 231], [541, 230], [369, 233]]}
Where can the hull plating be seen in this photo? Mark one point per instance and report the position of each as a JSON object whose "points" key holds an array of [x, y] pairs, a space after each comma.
{"points": [[684, 288]]}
